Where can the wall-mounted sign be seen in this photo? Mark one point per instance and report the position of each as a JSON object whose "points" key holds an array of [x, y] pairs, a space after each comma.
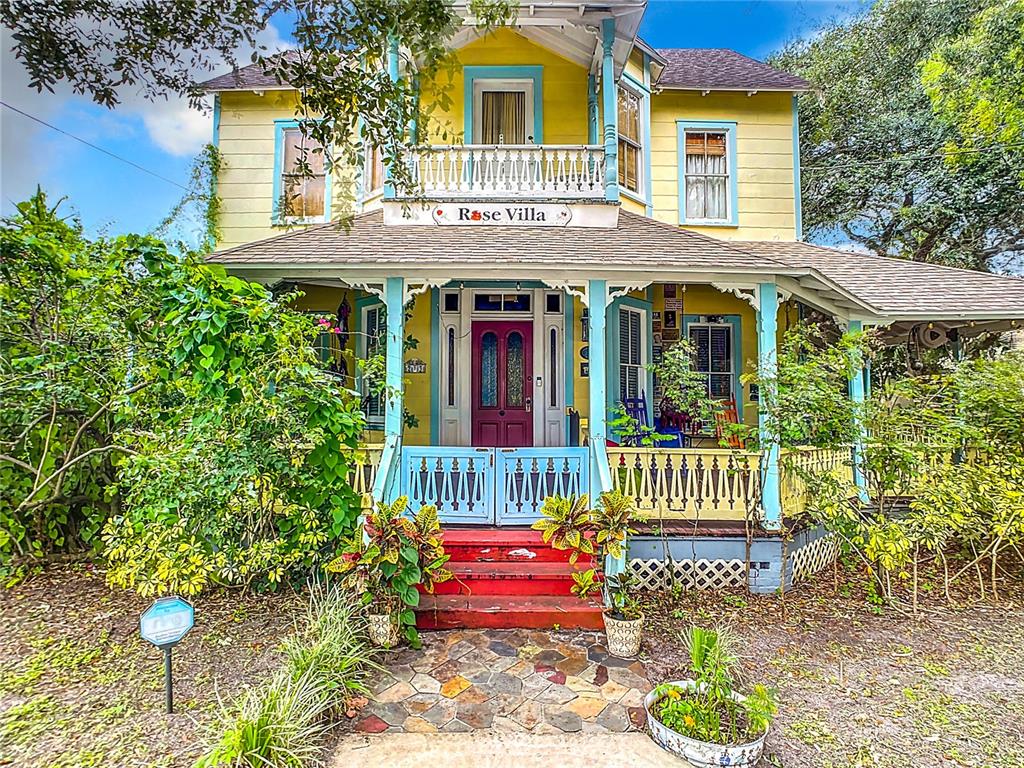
{"points": [[502, 214], [415, 365], [584, 370], [585, 353]]}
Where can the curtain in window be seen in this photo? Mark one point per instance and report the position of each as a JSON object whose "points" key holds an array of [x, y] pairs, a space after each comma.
{"points": [[503, 117], [707, 176], [374, 169], [303, 193]]}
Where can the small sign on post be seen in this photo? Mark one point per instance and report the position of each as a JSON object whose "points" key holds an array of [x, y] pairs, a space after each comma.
{"points": [[164, 624]]}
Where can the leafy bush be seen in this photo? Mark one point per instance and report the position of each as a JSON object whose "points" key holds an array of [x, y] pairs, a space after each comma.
{"points": [[708, 712], [181, 411]]}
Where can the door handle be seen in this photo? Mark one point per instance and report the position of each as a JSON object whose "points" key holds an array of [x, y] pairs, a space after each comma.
{"points": [[501, 413], [529, 404]]}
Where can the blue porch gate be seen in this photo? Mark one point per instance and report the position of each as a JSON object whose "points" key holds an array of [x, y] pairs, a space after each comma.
{"points": [[491, 486]]}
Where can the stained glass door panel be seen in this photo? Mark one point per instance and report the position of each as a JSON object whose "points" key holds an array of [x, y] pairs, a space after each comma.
{"points": [[502, 384]]}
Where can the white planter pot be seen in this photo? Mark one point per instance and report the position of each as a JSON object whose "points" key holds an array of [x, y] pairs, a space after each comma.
{"points": [[383, 629], [623, 636], [700, 754]]}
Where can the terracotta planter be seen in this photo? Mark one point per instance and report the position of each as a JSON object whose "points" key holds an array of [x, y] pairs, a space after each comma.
{"points": [[383, 629], [623, 636], [701, 754]]}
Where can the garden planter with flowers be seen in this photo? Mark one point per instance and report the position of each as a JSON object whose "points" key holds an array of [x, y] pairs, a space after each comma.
{"points": [[703, 720]]}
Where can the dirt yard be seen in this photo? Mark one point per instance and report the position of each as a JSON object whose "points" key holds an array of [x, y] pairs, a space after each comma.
{"points": [[858, 689]]}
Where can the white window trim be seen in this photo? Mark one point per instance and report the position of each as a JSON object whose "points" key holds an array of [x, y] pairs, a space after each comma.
{"points": [[644, 362], [731, 218], [733, 377], [481, 84], [363, 343]]}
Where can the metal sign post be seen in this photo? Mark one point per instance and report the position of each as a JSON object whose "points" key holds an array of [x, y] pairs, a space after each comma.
{"points": [[164, 624]]}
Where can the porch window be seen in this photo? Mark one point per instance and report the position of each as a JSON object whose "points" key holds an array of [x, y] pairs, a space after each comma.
{"points": [[303, 182], [373, 341], [713, 357], [631, 362], [631, 150], [708, 176]]}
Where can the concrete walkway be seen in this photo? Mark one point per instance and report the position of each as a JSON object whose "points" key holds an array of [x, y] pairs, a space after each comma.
{"points": [[501, 749]]}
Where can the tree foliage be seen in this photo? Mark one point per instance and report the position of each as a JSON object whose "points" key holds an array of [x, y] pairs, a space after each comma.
{"points": [[877, 161], [179, 410]]}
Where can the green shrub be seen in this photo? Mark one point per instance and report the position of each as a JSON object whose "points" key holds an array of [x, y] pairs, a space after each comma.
{"points": [[279, 725]]}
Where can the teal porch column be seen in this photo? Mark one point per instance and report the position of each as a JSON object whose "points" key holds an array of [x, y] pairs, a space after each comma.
{"points": [[591, 110], [393, 74], [610, 107], [858, 395], [768, 365], [600, 473], [385, 486]]}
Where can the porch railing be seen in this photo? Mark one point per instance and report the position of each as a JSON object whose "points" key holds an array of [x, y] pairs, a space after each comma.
{"points": [[366, 461], [797, 463], [537, 171], [687, 483]]}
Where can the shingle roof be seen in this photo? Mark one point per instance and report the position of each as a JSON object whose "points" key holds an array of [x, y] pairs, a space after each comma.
{"points": [[722, 69], [901, 287], [637, 242], [251, 77]]}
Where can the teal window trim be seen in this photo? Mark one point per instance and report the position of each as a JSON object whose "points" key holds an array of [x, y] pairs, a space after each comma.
{"points": [[362, 304], [736, 321], [216, 120], [435, 366], [797, 203], [613, 357], [535, 73], [280, 126], [682, 126], [642, 90]]}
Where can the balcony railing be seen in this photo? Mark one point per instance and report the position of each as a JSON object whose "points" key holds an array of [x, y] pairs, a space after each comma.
{"points": [[536, 171]]}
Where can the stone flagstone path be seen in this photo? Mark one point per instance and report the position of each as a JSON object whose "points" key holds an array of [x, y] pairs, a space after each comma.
{"points": [[510, 680]]}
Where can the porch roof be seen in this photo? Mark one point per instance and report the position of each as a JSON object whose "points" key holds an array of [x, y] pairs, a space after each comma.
{"points": [[903, 289], [636, 243]]}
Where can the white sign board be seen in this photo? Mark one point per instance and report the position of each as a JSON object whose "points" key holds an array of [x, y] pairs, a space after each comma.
{"points": [[502, 214], [167, 621]]}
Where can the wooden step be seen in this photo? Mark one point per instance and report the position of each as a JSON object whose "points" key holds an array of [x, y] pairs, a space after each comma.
{"points": [[506, 611], [511, 578], [500, 545]]}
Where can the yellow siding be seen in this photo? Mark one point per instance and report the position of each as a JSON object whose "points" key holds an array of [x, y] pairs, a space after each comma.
{"points": [[764, 159], [246, 181], [564, 88]]}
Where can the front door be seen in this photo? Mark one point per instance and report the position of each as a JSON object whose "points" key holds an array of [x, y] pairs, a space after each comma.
{"points": [[502, 384]]}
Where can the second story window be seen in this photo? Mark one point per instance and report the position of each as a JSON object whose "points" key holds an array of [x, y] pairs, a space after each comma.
{"points": [[631, 150], [707, 177], [374, 171], [303, 183]]}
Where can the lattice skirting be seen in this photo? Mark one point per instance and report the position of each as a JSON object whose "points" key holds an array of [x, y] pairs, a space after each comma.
{"points": [[813, 557], [689, 574]]}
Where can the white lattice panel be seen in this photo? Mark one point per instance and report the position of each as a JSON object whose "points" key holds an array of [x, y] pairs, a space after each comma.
{"points": [[690, 574], [813, 557]]}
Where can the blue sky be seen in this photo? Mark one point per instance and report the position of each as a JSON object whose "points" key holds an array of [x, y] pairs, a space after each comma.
{"points": [[113, 197]]}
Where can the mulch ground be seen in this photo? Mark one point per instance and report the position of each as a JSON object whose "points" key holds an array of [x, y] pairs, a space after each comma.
{"points": [[858, 688], [863, 688], [80, 688]]}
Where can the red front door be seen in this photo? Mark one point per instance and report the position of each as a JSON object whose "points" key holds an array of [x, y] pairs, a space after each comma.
{"points": [[502, 384]]}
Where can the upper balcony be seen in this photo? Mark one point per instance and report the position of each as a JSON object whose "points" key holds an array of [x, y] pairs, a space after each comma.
{"points": [[508, 171]]}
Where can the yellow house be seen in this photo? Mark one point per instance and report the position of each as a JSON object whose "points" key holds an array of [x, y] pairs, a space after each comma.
{"points": [[584, 203]]}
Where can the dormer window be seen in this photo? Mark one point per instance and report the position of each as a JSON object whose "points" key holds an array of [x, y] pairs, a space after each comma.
{"points": [[303, 181]]}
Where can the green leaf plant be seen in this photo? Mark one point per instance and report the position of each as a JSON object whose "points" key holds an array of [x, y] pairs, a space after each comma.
{"points": [[394, 555]]}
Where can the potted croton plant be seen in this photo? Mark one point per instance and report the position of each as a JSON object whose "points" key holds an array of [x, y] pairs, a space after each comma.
{"points": [[392, 555], [704, 720], [570, 524]]}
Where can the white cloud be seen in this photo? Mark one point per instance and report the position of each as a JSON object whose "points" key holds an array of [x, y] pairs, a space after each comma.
{"points": [[177, 128]]}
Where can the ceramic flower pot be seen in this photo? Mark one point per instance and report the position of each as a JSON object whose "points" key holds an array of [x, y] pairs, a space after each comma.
{"points": [[383, 629], [700, 754], [623, 636]]}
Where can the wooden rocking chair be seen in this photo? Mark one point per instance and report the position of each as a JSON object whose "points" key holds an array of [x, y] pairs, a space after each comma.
{"points": [[728, 414]]}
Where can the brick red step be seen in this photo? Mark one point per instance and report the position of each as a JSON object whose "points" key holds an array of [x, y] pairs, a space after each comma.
{"points": [[502, 612], [511, 578], [500, 545]]}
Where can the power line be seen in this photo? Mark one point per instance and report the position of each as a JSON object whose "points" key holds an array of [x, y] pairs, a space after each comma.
{"points": [[911, 158], [100, 149]]}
